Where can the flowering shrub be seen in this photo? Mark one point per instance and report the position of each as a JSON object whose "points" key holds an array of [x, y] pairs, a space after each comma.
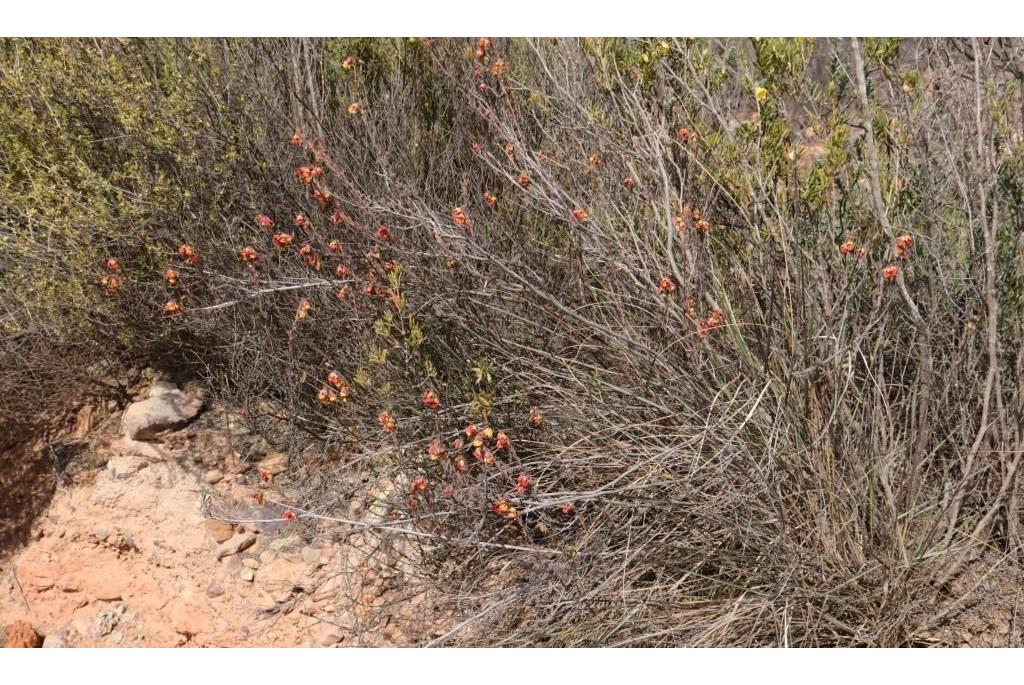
{"points": [[686, 365]]}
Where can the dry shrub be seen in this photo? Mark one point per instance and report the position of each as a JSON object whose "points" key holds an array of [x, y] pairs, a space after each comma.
{"points": [[763, 296]]}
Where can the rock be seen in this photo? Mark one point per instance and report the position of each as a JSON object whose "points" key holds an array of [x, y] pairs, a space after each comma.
{"points": [[117, 637], [238, 543], [186, 619], [274, 463], [249, 562], [83, 422], [108, 619], [214, 590], [101, 532], [281, 577], [214, 476], [168, 410], [125, 466], [328, 635], [267, 556], [287, 543], [248, 574], [55, 641], [311, 555], [21, 634], [161, 388], [219, 530]]}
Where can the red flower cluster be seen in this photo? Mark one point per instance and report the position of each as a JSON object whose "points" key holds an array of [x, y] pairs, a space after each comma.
{"points": [[435, 449], [111, 283], [382, 233], [523, 180], [627, 183], [483, 47], [459, 217], [890, 273], [848, 247], [172, 308], [288, 515], [302, 311], [523, 483], [490, 199], [504, 509], [580, 214], [535, 417], [691, 218], [715, 319], [419, 485], [171, 276], [327, 397], [430, 401], [302, 222], [499, 68], [903, 244], [338, 382], [334, 246], [386, 421], [190, 255], [264, 221], [296, 139], [686, 136], [308, 174], [249, 255], [666, 285], [283, 240]]}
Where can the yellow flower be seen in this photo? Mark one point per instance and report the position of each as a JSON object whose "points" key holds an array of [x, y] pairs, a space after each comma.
{"points": [[761, 94], [488, 432], [353, 108]]}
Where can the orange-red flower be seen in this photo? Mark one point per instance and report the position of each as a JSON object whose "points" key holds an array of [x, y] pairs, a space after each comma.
{"points": [[257, 497], [336, 217], [354, 108], [334, 378], [172, 308], [477, 148], [435, 449], [305, 174], [382, 233], [190, 255], [341, 271], [666, 285], [489, 198], [523, 483], [714, 320], [334, 246], [890, 273], [686, 135], [501, 442], [459, 217], [483, 46], [627, 183], [302, 311], [288, 515], [524, 180], [349, 62], [283, 240], [301, 221], [430, 401], [343, 293], [264, 221], [580, 214], [460, 465], [596, 160], [419, 485], [327, 396], [504, 509], [250, 255], [499, 68], [848, 247], [296, 139], [471, 431], [111, 283], [703, 225], [386, 421], [171, 276], [903, 244], [111, 265], [568, 509], [535, 416]]}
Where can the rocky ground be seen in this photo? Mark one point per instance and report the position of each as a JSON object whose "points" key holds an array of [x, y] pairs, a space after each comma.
{"points": [[178, 542]]}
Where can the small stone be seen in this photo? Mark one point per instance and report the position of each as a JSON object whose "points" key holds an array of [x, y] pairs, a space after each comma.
{"points": [[236, 544], [214, 590], [248, 575], [328, 635], [161, 388], [311, 555], [219, 530], [249, 562], [117, 637], [214, 476], [55, 641], [267, 556], [166, 411], [101, 532], [22, 634], [274, 463]]}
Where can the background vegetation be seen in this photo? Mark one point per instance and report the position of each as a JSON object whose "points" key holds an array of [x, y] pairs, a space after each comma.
{"points": [[748, 312]]}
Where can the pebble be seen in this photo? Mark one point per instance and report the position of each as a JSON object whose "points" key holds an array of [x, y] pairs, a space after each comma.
{"points": [[311, 555], [267, 556], [248, 575], [214, 476], [249, 562], [117, 637], [238, 543]]}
